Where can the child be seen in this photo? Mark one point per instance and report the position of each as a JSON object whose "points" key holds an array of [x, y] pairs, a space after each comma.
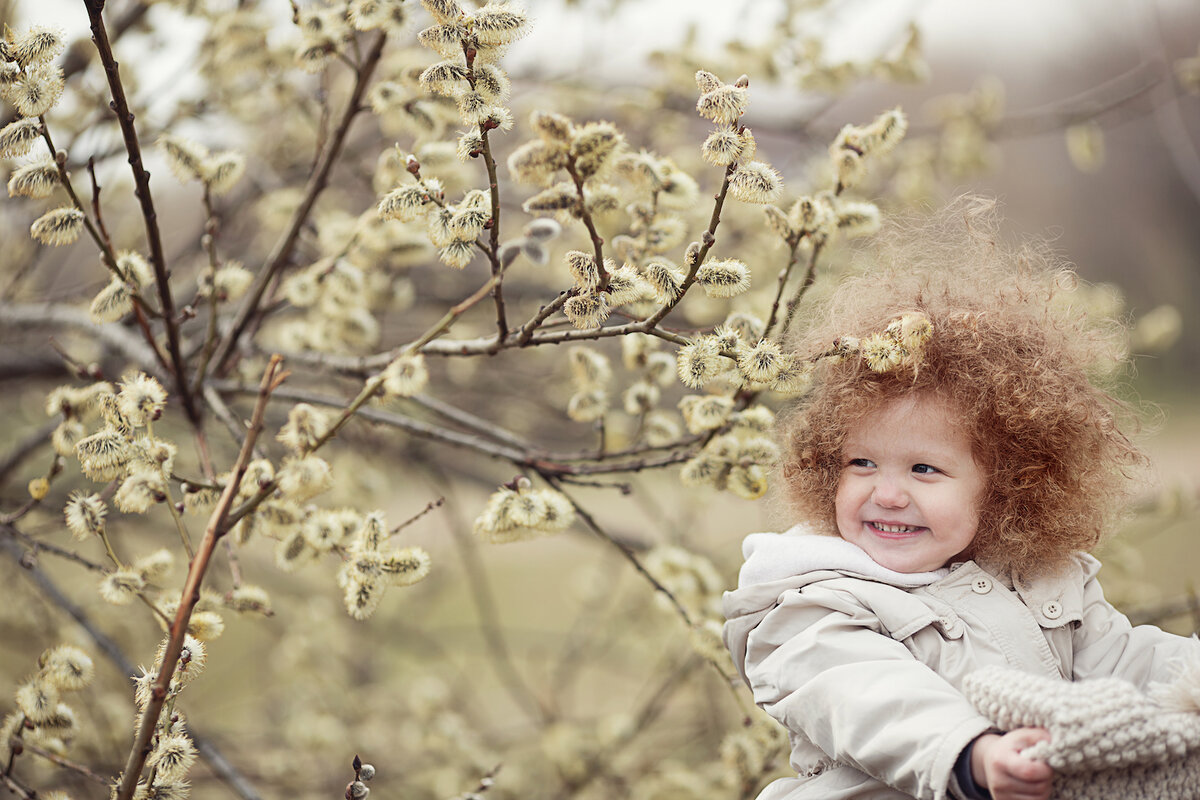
{"points": [[951, 466]]}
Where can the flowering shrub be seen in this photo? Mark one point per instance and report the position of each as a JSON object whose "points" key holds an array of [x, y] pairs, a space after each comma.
{"points": [[341, 313]]}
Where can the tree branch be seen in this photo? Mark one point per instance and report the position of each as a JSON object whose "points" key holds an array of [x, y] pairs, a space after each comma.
{"points": [[217, 527], [317, 182], [141, 180], [206, 749], [111, 335], [25, 448]]}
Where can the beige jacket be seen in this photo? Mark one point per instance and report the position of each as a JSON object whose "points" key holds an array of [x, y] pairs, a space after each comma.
{"points": [[864, 666]]}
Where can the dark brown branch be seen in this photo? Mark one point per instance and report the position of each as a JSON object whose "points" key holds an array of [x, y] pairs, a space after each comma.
{"points": [[206, 749], [317, 182], [217, 527], [809, 276], [586, 216], [784, 274], [554, 464], [141, 180]]}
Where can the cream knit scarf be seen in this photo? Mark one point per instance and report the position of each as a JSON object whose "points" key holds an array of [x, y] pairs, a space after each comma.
{"points": [[1108, 739]]}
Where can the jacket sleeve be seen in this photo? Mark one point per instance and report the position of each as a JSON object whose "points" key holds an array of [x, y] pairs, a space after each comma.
{"points": [[821, 664], [1107, 645]]}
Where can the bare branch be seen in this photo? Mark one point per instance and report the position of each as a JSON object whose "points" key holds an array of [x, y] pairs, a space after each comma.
{"points": [[206, 749], [317, 182], [141, 180], [217, 527], [554, 464], [56, 315], [25, 448]]}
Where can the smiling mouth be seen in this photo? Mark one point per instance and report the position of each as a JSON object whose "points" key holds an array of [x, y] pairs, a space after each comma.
{"points": [[895, 531]]}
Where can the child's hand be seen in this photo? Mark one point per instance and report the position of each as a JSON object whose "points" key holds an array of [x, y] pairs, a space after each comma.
{"points": [[998, 766]]}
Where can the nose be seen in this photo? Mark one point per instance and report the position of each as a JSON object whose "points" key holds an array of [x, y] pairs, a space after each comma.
{"points": [[888, 493]]}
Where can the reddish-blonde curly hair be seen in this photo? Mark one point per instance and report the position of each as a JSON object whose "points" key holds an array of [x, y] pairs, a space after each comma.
{"points": [[1012, 351]]}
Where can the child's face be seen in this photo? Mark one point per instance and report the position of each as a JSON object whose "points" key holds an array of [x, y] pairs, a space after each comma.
{"points": [[910, 489]]}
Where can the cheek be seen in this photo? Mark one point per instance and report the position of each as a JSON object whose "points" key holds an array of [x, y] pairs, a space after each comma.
{"points": [[845, 503]]}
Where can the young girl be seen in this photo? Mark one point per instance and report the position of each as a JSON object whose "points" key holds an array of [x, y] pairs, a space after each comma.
{"points": [[952, 465]]}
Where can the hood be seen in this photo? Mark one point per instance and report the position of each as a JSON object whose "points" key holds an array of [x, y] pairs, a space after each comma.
{"points": [[776, 563]]}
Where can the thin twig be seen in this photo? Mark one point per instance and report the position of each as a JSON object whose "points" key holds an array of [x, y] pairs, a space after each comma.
{"points": [[217, 527], [586, 216], [209, 242], [141, 179], [709, 239], [809, 276], [66, 763], [490, 628], [430, 506], [489, 160], [784, 274], [206, 749], [317, 182], [25, 448], [110, 335], [39, 546], [623, 548], [474, 423], [550, 463]]}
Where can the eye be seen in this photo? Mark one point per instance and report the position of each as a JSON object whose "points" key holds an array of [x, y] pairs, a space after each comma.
{"points": [[865, 463], [925, 469]]}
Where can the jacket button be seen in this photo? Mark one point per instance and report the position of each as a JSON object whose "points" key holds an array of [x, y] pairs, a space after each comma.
{"points": [[1052, 609], [981, 585]]}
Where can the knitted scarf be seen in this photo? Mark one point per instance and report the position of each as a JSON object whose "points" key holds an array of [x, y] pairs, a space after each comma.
{"points": [[1108, 739]]}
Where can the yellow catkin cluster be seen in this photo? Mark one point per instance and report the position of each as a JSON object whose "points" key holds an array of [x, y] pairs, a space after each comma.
{"points": [[739, 457], [123, 448], [370, 568], [471, 43], [40, 716], [519, 512], [333, 298], [690, 578]]}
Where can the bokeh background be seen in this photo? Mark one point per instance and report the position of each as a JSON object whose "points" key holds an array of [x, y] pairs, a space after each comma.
{"points": [[552, 659]]}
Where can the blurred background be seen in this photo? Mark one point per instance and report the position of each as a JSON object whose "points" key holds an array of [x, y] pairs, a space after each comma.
{"points": [[553, 659]]}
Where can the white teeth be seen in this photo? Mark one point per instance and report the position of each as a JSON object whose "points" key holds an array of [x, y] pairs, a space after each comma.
{"points": [[893, 528]]}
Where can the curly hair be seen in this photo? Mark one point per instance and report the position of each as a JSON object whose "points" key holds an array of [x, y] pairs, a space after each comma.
{"points": [[1016, 356]]}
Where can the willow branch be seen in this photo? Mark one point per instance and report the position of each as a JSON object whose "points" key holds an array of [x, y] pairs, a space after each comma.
{"points": [[468, 420], [624, 549], [485, 604], [209, 241], [317, 182], [488, 345], [206, 749], [586, 217], [784, 274], [66, 763], [809, 276], [217, 527], [525, 334], [111, 335], [25, 448], [141, 179], [709, 239], [554, 464]]}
